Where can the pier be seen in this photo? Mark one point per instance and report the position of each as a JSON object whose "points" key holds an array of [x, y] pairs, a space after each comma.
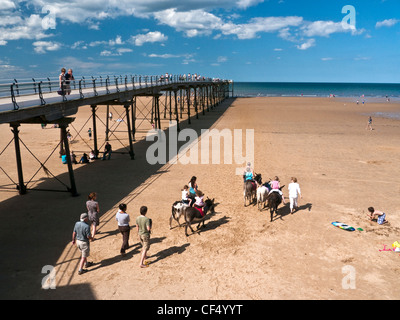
{"points": [[49, 102]]}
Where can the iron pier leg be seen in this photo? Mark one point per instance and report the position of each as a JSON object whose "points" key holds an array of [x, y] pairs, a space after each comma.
{"points": [[73, 190], [107, 122], [128, 120], [21, 185], [96, 150], [176, 110], [133, 118], [188, 104]]}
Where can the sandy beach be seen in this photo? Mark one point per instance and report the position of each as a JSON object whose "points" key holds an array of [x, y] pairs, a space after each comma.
{"points": [[341, 167]]}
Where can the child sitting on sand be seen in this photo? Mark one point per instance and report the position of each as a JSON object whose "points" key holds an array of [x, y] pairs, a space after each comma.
{"points": [[379, 215]]}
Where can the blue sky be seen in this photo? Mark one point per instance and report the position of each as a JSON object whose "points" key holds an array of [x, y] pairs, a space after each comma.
{"points": [[243, 40]]}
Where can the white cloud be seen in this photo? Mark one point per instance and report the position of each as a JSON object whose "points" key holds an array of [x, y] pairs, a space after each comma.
{"points": [[164, 56], [43, 46], [306, 45], [387, 23], [118, 52], [150, 37], [15, 27], [324, 28], [193, 22], [222, 59]]}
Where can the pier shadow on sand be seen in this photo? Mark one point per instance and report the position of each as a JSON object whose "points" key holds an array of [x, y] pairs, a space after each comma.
{"points": [[37, 226]]}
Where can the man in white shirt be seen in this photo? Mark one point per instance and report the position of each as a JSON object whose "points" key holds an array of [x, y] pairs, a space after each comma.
{"points": [[294, 193]]}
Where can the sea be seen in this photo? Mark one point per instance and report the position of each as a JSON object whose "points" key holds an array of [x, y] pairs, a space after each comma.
{"points": [[310, 89]]}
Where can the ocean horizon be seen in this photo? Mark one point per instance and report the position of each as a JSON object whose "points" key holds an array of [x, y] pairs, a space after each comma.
{"points": [[316, 89]]}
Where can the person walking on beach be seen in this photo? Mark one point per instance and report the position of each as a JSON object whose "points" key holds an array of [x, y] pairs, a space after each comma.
{"points": [[81, 236], [378, 215], [123, 225], [90, 133], [369, 124], [93, 212], [294, 193], [143, 225]]}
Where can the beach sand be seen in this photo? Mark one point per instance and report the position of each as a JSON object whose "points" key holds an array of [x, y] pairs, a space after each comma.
{"points": [[341, 167]]}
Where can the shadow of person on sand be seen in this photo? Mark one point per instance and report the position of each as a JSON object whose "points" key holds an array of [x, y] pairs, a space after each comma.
{"points": [[285, 210], [168, 252], [133, 249]]}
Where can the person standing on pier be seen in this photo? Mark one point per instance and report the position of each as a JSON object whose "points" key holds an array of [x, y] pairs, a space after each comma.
{"points": [[68, 78], [62, 79]]}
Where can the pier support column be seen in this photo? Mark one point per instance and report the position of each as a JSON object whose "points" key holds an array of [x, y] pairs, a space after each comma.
{"points": [[21, 184], [176, 110], [128, 120], [107, 122], [133, 118], [63, 129], [195, 103], [188, 104], [96, 150]]}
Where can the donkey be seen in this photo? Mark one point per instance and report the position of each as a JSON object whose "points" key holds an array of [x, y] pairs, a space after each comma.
{"points": [[178, 209], [193, 214], [249, 189], [274, 200]]}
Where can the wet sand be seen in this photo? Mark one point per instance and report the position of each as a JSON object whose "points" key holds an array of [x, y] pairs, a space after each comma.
{"points": [[341, 167]]}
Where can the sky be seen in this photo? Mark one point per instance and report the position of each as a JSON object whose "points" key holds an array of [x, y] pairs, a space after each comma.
{"points": [[241, 40]]}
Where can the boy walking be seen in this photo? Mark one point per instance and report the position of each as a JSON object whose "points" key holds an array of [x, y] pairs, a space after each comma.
{"points": [[143, 225]]}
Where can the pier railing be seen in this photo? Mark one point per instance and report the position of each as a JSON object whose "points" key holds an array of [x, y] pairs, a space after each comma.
{"points": [[43, 88]]}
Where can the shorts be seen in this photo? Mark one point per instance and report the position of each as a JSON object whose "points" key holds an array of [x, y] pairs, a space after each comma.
{"points": [[381, 218], [83, 247], [145, 240]]}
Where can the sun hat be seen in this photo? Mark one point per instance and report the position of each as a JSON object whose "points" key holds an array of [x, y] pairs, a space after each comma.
{"points": [[84, 216]]}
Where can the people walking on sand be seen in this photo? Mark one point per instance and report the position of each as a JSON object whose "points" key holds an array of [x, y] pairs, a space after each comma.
{"points": [[378, 215], [93, 212], [90, 133], [369, 124], [81, 236], [294, 193], [123, 226], [143, 225]]}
